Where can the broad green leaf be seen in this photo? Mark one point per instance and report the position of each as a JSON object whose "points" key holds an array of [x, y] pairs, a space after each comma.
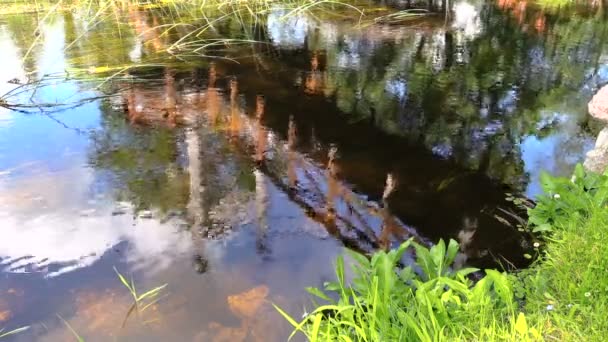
{"points": [[452, 250], [358, 257], [151, 293], [315, 326], [521, 326], [316, 292]]}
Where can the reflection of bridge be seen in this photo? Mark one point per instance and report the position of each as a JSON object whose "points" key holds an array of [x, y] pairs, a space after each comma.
{"points": [[316, 170], [359, 224]]}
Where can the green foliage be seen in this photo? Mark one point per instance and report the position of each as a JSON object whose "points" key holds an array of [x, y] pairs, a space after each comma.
{"points": [[142, 301], [568, 199], [563, 297], [431, 302]]}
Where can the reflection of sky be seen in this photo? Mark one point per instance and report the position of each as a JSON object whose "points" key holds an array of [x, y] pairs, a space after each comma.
{"points": [[51, 219], [287, 32], [556, 154], [466, 19], [48, 217], [38, 136]]}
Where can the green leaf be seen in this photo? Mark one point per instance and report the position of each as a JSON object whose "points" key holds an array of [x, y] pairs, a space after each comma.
{"points": [[316, 292], [315, 326], [438, 254], [78, 338], [466, 271], [547, 182], [425, 261], [521, 326], [332, 286], [453, 248], [151, 293], [402, 248], [385, 270], [358, 257], [545, 227], [579, 172]]}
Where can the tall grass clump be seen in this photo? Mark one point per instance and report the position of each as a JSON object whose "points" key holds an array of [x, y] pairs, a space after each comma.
{"points": [[562, 297], [428, 301], [568, 287]]}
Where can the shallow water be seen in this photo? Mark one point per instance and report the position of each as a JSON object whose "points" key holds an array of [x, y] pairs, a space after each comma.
{"points": [[237, 180]]}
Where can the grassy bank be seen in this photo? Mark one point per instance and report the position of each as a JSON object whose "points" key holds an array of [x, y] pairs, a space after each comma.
{"points": [[562, 297]]}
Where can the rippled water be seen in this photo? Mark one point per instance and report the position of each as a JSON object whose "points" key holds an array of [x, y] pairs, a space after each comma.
{"points": [[236, 181]]}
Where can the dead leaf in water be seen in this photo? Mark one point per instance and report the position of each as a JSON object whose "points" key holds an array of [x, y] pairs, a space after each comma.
{"points": [[103, 312], [246, 304], [16, 292], [5, 315], [222, 333]]}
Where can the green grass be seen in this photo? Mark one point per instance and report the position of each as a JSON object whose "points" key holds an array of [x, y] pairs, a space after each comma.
{"points": [[562, 297], [141, 301]]}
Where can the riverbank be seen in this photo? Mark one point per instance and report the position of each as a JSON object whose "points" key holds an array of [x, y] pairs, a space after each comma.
{"points": [[562, 297]]}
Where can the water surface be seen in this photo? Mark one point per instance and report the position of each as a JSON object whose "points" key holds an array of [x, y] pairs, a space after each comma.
{"points": [[237, 180]]}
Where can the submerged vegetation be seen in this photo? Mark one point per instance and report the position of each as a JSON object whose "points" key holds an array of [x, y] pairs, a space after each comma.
{"points": [[4, 333], [562, 297]]}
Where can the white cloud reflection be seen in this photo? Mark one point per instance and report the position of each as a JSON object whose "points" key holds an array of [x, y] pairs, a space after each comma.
{"points": [[47, 220]]}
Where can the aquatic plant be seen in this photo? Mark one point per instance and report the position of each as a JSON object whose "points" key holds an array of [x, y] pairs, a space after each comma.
{"points": [[4, 333], [143, 301], [69, 326]]}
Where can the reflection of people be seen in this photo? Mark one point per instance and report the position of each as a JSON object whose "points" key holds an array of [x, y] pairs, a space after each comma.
{"points": [[213, 97], [332, 190], [235, 122], [390, 227], [261, 203], [465, 240], [291, 154], [314, 79], [170, 97], [260, 146]]}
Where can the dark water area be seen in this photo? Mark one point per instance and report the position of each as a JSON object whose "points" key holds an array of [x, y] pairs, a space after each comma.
{"points": [[238, 179]]}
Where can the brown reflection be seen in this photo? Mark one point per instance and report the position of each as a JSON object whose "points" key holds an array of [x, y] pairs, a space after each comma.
{"points": [[139, 20], [291, 154], [318, 190], [134, 105], [332, 190], [390, 227], [170, 97], [261, 203], [235, 121], [261, 133], [213, 97], [314, 79]]}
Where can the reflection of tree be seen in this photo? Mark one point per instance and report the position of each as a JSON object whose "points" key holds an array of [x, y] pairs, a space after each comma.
{"points": [[468, 98], [143, 163]]}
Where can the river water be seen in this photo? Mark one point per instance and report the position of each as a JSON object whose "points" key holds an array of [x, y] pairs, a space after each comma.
{"points": [[236, 173]]}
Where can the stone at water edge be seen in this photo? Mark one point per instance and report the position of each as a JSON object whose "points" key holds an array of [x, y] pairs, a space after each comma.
{"points": [[598, 106], [596, 160]]}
